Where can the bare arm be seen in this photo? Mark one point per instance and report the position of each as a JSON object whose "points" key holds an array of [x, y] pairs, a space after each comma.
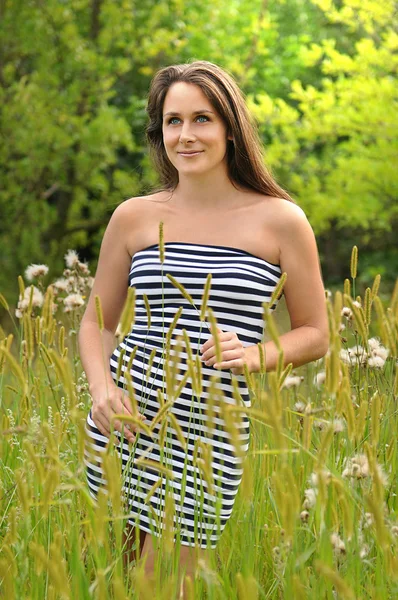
{"points": [[96, 347], [305, 299], [110, 284]]}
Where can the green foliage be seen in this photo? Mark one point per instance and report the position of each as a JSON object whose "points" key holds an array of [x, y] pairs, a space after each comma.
{"points": [[335, 141], [319, 77]]}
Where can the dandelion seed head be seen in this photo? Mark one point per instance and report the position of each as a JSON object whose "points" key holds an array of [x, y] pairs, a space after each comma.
{"points": [[364, 551], [310, 498], [292, 381], [346, 312], [320, 378], [373, 343], [34, 271], [338, 425], [368, 519], [358, 468], [299, 407], [345, 356], [308, 409], [61, 285], [337, 543], [71, 259], [23, 303], [84, 268], [73, 301], [376, 362], [381, 352], [357, 350], [314, 477]]}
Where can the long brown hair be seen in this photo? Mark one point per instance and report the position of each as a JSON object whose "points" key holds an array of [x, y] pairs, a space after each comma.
{"points": [[244, 154]]}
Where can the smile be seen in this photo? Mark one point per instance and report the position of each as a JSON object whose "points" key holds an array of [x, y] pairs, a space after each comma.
{"points": [[189, 154]]}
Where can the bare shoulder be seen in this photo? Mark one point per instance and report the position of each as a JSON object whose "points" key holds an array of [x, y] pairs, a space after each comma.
{"points": [[284, 215], [138, 204], [133, 219], [132, 213]]}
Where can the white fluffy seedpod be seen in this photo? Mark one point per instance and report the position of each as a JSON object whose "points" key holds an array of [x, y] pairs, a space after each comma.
{"points": [[33, 271], [381, 352], [73, 301], [337, 543], [292, 381], [71, 259], [373, 343], [338, 425], [310, 498], [376, 362], [346, 312], [61, 285], [357, 467], [345, 356], [304, 516], [364, 551], [23, 303], [299, 407], [320, 378]]}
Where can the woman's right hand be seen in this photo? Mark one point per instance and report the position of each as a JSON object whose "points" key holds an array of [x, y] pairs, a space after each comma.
{"points": [[107, 401]]}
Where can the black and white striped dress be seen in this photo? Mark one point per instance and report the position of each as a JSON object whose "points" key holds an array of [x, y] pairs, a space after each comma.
{"points": [[200, 449]]}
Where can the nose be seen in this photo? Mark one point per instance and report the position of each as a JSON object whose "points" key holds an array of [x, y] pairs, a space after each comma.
{"points": [[186, 134]]}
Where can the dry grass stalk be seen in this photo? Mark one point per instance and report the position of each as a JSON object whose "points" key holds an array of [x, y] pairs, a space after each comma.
{"points": [[205, 298], [128, 313]]}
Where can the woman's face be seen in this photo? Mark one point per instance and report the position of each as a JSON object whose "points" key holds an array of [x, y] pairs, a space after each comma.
{"points": [[191, 125]]}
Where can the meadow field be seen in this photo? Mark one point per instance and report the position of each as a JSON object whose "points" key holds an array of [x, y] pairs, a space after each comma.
{"points": [[316, 516]]}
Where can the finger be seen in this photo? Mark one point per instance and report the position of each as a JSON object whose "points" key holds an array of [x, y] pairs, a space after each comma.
{"points": [[227, 355], [210, 342], [122, 406], [102, 425], [126, 405], [228, 364], [226, 345], [137, 415], [122, 428]]}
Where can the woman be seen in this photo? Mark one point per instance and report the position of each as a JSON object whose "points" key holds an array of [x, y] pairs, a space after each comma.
{"points": [[223, 214]]}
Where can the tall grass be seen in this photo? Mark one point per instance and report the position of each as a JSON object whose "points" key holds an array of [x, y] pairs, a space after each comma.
{"points": [[316, 513]]}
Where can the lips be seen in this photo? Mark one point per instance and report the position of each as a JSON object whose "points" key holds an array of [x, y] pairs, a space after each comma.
{"points": [[190, 152]]}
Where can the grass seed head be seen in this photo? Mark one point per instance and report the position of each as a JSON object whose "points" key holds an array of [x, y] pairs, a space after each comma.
{"points": [[354, 262], [161, 242]]}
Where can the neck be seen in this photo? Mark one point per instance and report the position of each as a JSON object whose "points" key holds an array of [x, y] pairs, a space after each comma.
{"points": [[205, 192]]}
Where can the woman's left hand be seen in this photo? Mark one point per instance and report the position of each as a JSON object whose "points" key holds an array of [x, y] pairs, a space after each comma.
{"points": [[233, 354]]}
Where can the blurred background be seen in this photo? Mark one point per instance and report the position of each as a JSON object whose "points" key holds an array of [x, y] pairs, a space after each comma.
{"points": [[319, 77]]}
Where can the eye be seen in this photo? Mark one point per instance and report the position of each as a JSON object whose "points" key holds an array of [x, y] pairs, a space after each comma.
{"points": [[203, 117], [171, 119]]}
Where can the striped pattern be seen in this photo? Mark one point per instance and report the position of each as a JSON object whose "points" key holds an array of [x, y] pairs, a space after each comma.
{"points": [[206, 466]]}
